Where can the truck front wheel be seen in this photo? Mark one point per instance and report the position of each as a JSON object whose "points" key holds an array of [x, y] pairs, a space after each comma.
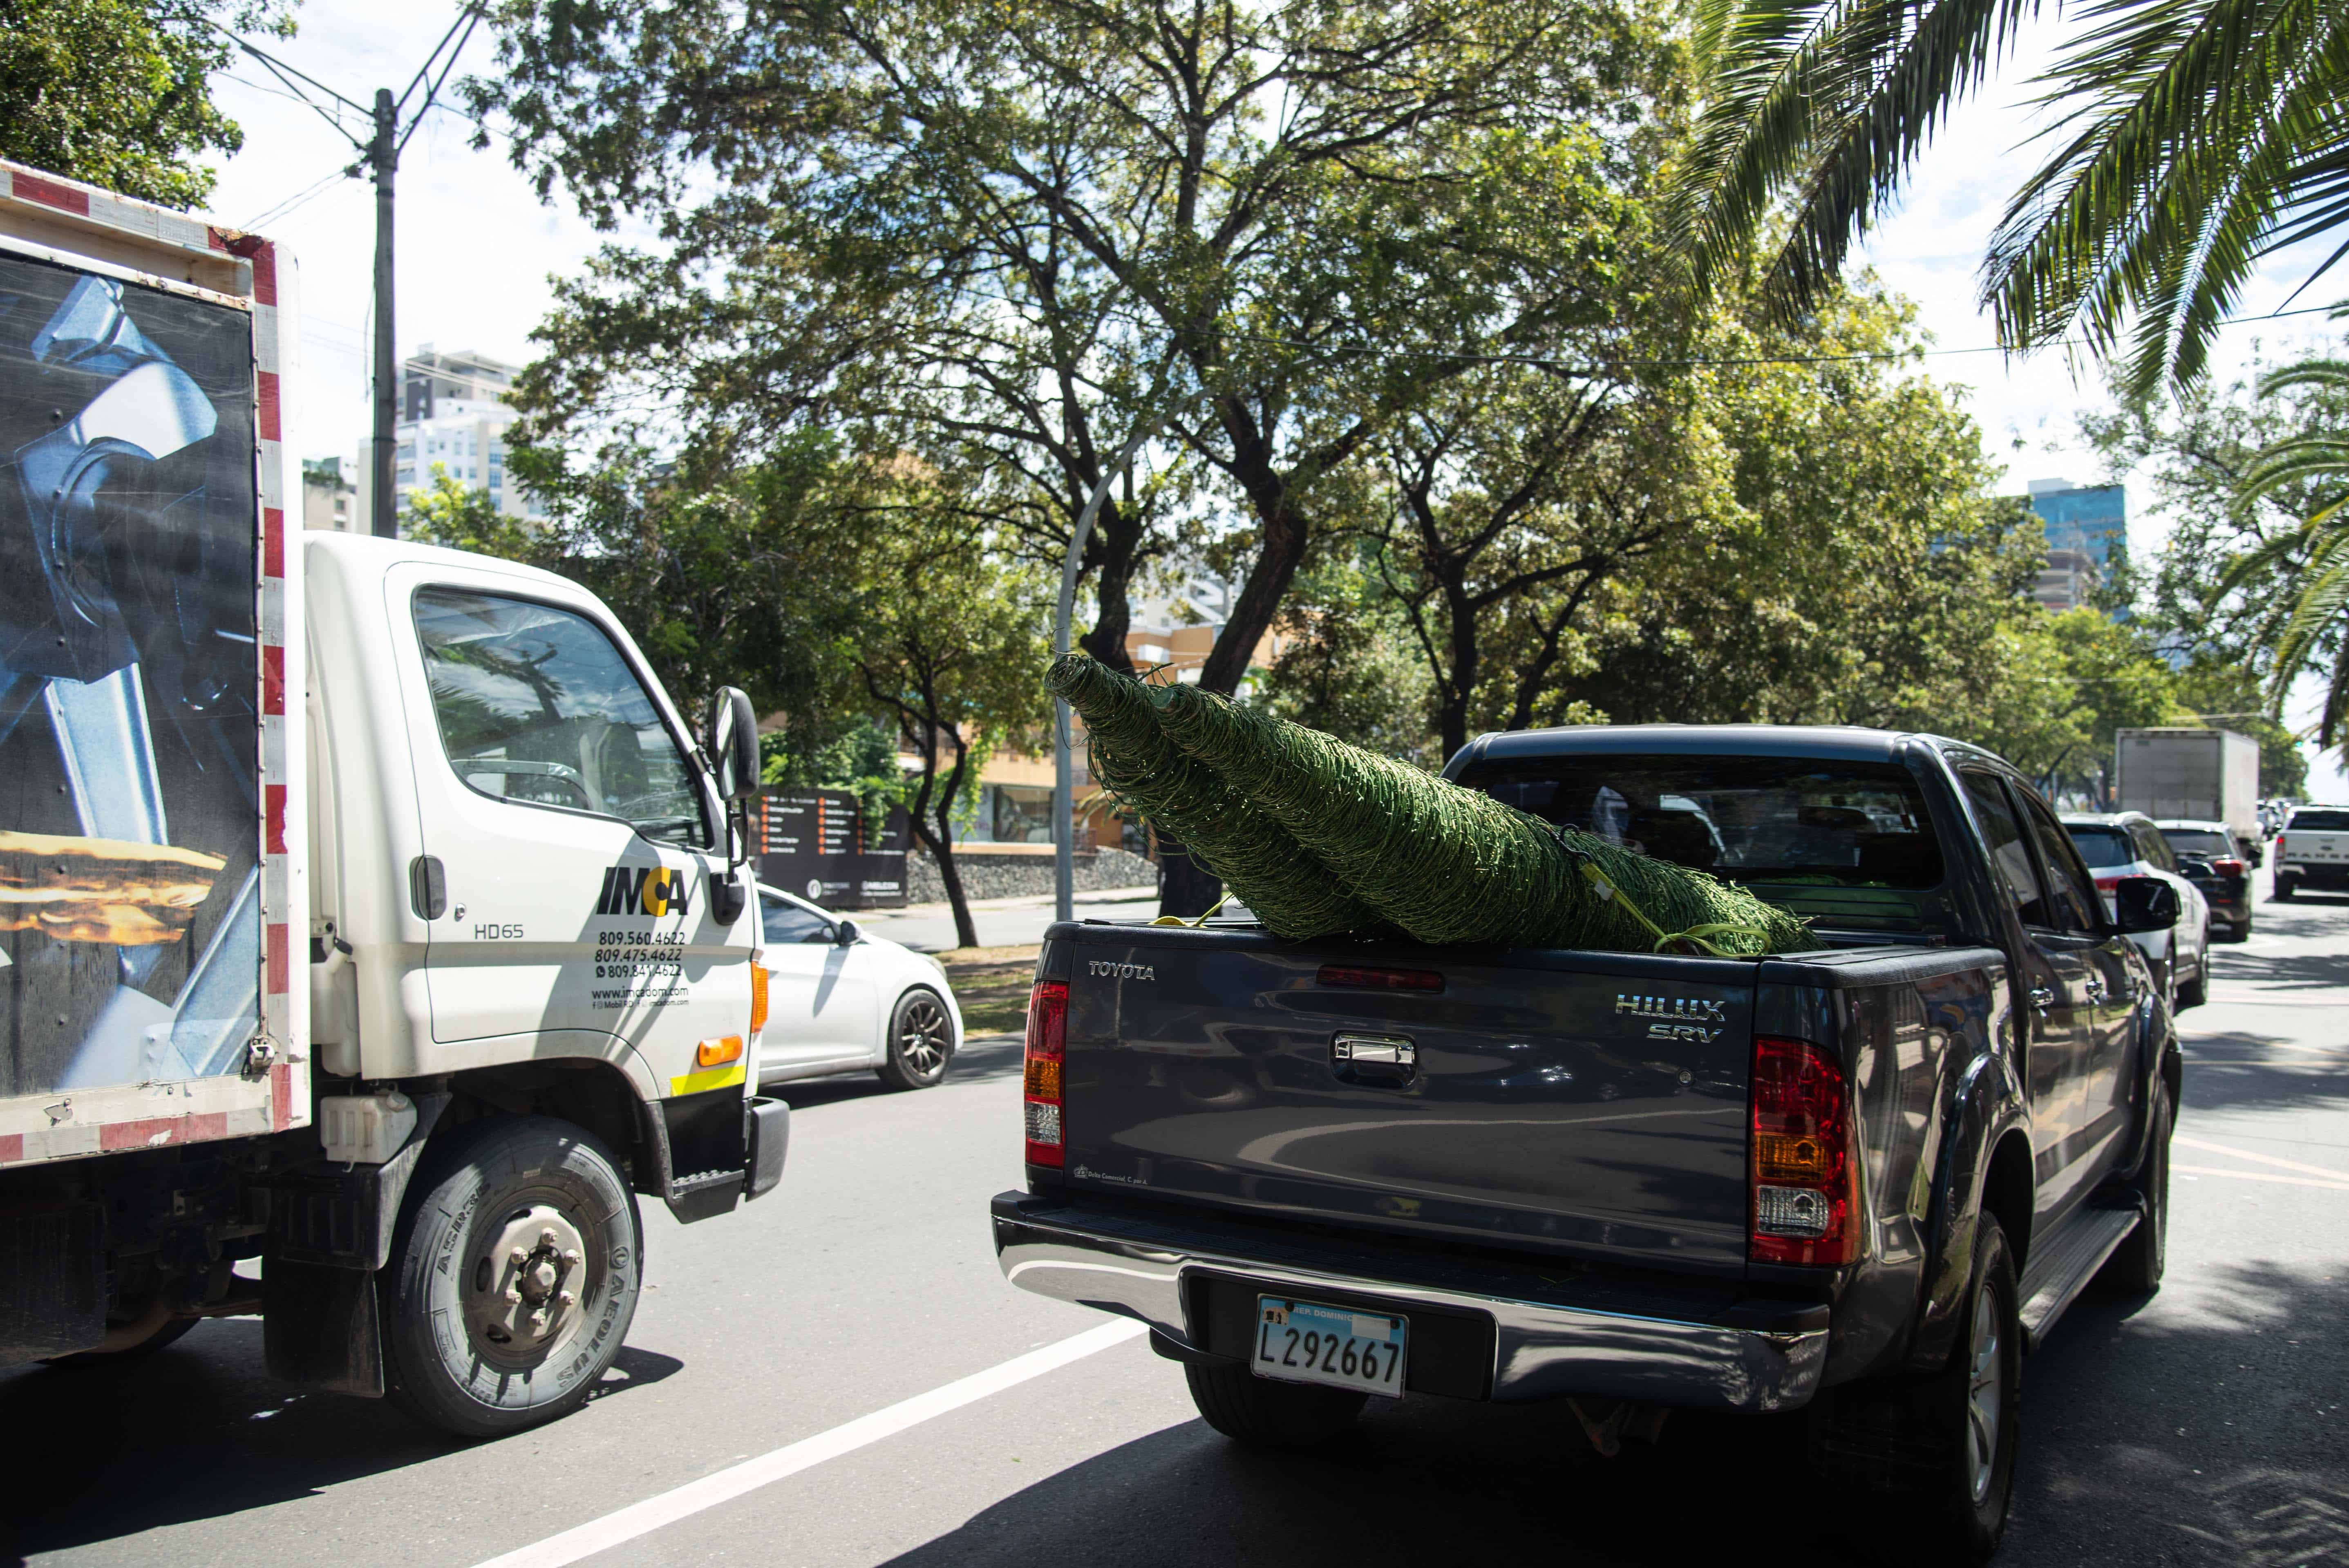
{"points": [[513, 1276], [1264, 1414]]}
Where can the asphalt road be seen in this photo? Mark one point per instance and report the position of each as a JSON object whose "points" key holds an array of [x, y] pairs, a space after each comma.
{"points": [[2204, 1425]]}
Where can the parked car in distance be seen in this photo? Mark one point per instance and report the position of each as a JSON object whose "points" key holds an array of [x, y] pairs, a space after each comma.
{"points": [[839, 999], [2216, 860], [2117, 845], [2313, 851]]}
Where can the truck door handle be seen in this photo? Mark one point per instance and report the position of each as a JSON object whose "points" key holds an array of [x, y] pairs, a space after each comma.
{"points": [[428, 887], [2043, 997], [1373, 1058]]}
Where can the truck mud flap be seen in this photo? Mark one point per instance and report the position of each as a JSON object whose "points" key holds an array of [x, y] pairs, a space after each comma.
{"points": [[343, 1217], [321, 1328], [52, 1281]]}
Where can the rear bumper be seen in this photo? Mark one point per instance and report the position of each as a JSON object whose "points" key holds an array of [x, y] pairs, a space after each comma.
{"points": [[2308, 873], [1706, 1346]]}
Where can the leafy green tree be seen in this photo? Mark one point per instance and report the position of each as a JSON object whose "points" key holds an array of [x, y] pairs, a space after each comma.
{"points": [[117, 93], [2231, 466], [2081, 676], [1013, 237], [949, 645], [457, 516], [2193, 137], [1349, 665], [2314, 467]]}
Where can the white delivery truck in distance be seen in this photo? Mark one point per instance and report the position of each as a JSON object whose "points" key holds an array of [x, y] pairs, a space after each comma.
{"points": [[366, 910], [2194, 774]]}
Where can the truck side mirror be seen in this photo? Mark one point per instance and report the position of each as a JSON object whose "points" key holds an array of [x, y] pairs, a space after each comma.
{"points": [[733, 744], [2143, 904]]}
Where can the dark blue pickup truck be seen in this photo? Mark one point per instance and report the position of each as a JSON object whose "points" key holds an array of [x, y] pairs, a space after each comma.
{"points": [[1863, 1179]]}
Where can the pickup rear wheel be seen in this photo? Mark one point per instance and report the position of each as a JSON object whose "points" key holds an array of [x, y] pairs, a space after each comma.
{"points": [[1264, 1414], [2137, 1265], [513, 1276]]}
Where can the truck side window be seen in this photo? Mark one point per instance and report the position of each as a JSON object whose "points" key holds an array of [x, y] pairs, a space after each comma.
{"points": [[2071, 896], [537, 705], [2009, 853]]}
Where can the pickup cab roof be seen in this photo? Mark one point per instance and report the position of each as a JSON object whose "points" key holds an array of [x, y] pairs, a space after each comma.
{"points": [[1843, 742]]}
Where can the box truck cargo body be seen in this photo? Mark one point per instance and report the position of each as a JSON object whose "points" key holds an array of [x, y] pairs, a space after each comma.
{"points": [[2208, 775], [367, 913]]}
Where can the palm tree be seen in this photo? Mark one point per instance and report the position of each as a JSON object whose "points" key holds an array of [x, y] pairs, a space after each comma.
{"points": [[2319, 545], [2196, 137]]}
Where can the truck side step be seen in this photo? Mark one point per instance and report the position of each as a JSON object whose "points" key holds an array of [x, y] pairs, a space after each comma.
{"points": [[2059, 1270]]}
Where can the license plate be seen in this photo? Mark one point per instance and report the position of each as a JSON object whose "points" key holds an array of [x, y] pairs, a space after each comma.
{"points": [[1304, 1342]]}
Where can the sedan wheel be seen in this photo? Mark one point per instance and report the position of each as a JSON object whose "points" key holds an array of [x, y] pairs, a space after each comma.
{"points": [[921, 1042]]}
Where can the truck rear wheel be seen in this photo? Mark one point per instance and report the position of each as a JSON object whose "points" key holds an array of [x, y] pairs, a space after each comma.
{"points": [[1264, 1414], [513, 1277], [2136, 1265]]}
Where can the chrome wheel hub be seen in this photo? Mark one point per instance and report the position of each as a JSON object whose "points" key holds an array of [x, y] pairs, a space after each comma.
{"points": [[1986, 1380], [525, 1281]]}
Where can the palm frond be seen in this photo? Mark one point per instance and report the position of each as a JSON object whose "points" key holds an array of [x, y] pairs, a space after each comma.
{"points": [[1834, 99], [2204, 131]]}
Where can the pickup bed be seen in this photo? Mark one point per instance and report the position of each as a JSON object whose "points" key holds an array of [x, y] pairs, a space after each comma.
{"points": [[1839, 1178]]}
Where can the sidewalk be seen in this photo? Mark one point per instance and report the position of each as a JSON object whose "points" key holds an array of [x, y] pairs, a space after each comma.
{"points": [[1001, 922]]}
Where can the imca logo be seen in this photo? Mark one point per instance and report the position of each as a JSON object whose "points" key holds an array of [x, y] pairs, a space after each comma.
{"points": [[644, 889]]}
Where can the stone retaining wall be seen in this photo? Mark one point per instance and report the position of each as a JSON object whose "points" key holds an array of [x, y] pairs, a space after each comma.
{"points": [[985, 875]]}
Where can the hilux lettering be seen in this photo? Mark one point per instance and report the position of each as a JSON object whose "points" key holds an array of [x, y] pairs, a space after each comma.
{"points": [[1696, 1009]]}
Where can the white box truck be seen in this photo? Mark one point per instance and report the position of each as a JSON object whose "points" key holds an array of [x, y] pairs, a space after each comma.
{"points": [[366, 910], [2207, 775]]}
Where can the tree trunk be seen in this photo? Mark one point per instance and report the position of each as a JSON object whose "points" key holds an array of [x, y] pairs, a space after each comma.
{"points": [[1119, 541], [1186, 887], [965, 929]]}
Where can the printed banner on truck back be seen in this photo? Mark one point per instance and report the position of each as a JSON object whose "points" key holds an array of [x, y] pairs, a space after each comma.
{"points": [[130, 898]]}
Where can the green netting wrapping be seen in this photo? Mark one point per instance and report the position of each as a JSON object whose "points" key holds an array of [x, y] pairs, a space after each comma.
{"points": [[1262, 863], [1450, 864]]}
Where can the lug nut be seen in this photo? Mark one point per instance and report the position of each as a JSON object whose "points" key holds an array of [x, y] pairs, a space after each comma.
{"points": [[571, 1260], [513, 1293], [517, 1257], [547, 1238], [565, 1298]]}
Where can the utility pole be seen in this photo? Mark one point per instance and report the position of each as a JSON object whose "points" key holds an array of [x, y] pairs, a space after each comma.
{"points": [[383, 155]]}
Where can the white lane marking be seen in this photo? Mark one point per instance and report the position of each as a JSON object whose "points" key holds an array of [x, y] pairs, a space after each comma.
{"points": [[735, 1481], [2280, 1164], [2262, 1176]]}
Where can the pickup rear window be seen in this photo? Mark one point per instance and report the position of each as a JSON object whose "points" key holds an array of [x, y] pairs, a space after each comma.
{"points": [[2103, 847], [1755, 820], [2319, 822]]}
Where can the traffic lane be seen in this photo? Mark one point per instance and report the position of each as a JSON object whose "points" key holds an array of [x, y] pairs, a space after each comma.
{"points": [[806, 1309]]}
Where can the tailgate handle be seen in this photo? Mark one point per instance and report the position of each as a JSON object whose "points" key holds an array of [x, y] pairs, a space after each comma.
{"points": [[1374, 1059]]}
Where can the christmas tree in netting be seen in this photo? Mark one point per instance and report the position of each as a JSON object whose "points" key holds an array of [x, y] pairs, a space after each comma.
{"points": [[1383, 844], [1258, 859]]}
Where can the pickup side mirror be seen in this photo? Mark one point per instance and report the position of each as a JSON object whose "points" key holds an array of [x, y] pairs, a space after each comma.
{"points": [[2145, 904], [846, 934], [733, 744]]}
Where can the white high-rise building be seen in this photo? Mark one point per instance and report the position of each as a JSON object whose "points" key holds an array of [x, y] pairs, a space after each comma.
{"points": [[453, 414]]}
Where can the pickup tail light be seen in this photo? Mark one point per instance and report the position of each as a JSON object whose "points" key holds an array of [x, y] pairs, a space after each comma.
{"points": [[1048, 1034], [1800, 1154]]}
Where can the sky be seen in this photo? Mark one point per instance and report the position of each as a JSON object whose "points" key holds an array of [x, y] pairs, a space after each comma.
{"points": [[477, 249]]}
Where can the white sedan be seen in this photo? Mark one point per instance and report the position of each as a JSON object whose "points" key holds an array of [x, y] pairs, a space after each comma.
{"points": [[839, 999]]}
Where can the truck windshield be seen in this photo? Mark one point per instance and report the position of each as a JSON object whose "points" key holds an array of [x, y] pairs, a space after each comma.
{"points": [[1747, 819], [2103, 847]]}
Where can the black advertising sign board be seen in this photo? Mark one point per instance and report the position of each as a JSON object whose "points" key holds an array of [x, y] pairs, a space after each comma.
{"points": [[818, 843]]}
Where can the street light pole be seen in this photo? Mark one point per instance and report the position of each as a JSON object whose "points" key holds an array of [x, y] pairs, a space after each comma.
{"points": [[1064, 793], [383, 155]]}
